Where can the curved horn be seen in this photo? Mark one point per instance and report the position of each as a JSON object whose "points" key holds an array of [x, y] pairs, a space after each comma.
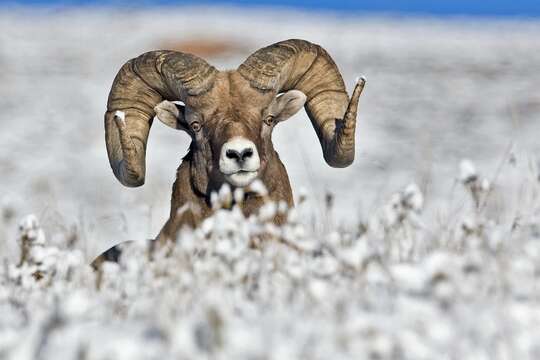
{"points": [[140, 85], [301, 65]]}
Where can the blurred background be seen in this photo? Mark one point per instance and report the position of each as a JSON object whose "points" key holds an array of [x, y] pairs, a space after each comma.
{"points": [[447, 80]]}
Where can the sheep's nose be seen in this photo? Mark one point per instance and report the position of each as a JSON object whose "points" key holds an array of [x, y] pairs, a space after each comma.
{"points": [[239, 156]]}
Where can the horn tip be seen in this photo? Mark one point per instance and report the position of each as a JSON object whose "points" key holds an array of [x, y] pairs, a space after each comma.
{"points": [[360, 79]]}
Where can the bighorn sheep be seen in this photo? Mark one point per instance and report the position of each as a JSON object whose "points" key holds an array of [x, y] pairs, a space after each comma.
{"points": [[230, 116]]}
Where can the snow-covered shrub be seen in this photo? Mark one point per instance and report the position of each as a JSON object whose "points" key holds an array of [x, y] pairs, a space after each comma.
{"points": [[244, 288]]}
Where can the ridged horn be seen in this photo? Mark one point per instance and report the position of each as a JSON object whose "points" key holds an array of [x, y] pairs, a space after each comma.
{"points": [[141, 84], [301, 65]]}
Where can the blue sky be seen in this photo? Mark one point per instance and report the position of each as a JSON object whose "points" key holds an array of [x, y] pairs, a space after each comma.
{"points": [[526, 8]]}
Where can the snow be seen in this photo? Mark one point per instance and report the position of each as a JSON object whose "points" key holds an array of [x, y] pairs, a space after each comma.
{"points": [[467, 171], [120, 115]]}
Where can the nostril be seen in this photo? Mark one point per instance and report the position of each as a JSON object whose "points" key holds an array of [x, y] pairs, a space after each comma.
{"points": [[246, 153], [232, 154]]}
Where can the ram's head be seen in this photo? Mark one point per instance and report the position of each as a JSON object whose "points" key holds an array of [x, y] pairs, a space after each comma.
{"points": [[229, 115]]}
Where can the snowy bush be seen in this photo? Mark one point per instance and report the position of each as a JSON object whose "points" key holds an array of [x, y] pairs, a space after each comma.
{"points": [[241, 288]]}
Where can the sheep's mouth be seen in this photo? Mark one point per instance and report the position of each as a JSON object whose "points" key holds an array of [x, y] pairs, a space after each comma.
{"points": [[241, 178], [239, 171]]}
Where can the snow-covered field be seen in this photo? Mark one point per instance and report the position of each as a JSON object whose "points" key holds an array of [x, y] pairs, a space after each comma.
{"points": [[410, 253]]}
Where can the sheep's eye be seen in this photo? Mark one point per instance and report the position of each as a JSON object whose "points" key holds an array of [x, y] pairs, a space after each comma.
{"points": [[195, 126], [269, 120]]}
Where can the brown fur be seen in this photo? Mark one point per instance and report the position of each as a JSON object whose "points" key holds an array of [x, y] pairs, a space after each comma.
{"points": [[232, 109]]}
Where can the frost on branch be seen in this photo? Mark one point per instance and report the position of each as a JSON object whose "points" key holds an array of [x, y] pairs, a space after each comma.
{"points": [[477, 186], [38, 262]]}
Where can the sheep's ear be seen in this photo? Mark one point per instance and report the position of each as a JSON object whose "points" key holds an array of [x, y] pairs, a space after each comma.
{"points": [[171, 114], [286, 105]]}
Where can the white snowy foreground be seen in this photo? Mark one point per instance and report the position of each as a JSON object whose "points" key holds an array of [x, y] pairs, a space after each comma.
{"points": [[368, 267], [243, 289]]}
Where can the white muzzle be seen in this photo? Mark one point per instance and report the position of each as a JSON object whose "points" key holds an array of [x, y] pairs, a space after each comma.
{"points": [[239, 161]]}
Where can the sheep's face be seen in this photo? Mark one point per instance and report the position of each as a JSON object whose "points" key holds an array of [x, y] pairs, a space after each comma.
{"points": [[231, 134]]}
